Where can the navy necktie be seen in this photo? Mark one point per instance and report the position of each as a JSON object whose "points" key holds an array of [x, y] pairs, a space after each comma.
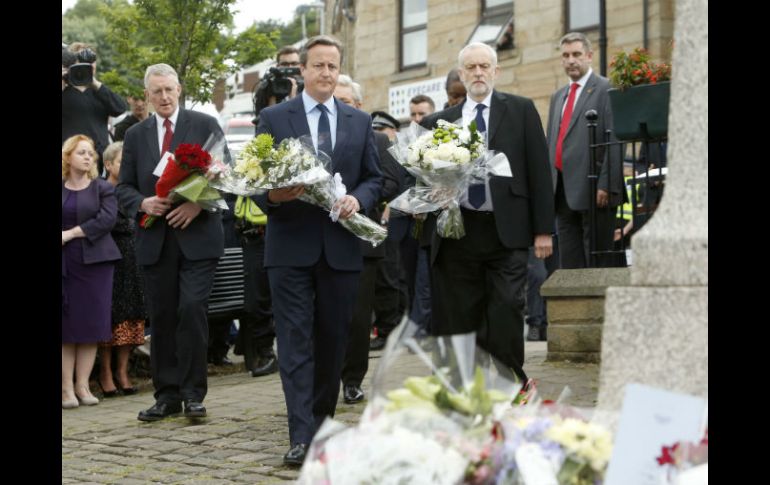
{"points": [[477, 192], [324, 132]]}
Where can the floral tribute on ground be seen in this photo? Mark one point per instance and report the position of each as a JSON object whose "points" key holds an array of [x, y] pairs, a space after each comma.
{"points": [[455, 424]]}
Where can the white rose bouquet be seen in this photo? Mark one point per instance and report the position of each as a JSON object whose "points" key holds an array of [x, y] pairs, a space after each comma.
{"points": [[442, 161]]}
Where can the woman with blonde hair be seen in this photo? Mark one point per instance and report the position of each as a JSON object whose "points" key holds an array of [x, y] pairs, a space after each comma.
{"points": [[89, 209]]}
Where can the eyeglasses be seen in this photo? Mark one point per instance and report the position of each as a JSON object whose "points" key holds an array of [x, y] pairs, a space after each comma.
{"points": [[288, 64]]}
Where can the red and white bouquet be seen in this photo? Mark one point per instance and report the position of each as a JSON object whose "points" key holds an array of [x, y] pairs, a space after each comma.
{"points": [[184, 176]]}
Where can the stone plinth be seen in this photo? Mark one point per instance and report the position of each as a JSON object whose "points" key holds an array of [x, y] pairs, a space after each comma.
{"points": [[575, 300]]}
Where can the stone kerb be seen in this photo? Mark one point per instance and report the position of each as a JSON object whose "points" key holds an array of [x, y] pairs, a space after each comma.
{"points": [[575, 302]]}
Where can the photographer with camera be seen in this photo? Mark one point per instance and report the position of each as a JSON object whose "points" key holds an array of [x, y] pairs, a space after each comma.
{"points": [[86, 103], [279, 83]]}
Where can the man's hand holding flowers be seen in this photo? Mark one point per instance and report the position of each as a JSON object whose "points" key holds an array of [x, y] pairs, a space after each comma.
{"points": [[285, 194], [184, 176], [347, 205]]}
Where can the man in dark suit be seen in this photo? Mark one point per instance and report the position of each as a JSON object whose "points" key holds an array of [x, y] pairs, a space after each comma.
{"points": [[568, 146], [313, 264], [178, 253], [478, 280]]}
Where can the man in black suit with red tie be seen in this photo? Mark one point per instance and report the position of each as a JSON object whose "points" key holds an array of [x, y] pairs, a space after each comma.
{"points": [[178, 253], [478, 280]]}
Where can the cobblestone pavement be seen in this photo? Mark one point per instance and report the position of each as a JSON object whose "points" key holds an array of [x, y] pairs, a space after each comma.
{"points": [[245, 435]]}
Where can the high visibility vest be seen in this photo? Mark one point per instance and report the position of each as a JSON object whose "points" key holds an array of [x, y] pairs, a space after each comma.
{"points": [[247, 209], [626, 211]]}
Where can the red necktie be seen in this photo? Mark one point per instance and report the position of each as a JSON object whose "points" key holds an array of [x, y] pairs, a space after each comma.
{"points": [[167, 136], [565, 122]]}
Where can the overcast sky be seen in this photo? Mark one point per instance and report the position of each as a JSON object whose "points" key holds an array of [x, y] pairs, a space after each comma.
{"points": [[248, 10]]}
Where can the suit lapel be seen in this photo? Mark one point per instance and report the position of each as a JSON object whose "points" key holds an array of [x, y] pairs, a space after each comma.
{"points": [[297, 117], [578, 110], [343, 131], [454, 114], [555, 118], [496, 114], [182, 128], [151, 136]]}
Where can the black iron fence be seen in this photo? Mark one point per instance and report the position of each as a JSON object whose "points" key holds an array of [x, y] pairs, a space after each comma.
{"points": [[643, 181]]}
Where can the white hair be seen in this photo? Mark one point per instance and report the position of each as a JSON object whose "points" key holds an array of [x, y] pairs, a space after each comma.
{"points": [[159, 70], [475, 45], [346, 81]]}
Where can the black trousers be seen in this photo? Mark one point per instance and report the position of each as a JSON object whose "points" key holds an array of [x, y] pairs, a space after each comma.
{"points": [[478, 285], [357, 352], [257, 322], [574, 233], [177, 292]]}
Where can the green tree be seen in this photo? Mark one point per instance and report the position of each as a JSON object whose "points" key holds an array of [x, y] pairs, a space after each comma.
{"points": [[193, 36], [84, 23]]}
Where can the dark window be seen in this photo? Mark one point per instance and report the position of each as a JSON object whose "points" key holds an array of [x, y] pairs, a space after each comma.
{"points": [[582, 15], [414, 33], [496, 25]]}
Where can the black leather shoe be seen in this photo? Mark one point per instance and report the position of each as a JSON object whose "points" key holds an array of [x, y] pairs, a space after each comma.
{"points": [[296, 455], [377, 343], [194, 409], [265, 365], [533, 334], [159, 411], [544, 333], [352, 394]]}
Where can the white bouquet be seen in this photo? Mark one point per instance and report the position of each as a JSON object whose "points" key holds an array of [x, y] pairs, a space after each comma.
{"points": [[444, 162], [261, 167]]}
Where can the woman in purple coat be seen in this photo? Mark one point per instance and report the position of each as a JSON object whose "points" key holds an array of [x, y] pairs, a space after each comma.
{"points": [[88, 213]]}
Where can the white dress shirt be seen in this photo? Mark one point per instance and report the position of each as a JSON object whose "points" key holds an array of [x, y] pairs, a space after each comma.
{"points": [[469, 114], [314, 115]]}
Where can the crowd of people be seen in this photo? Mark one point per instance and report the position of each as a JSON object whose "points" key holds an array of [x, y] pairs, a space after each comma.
{"points": [[314, 290]]}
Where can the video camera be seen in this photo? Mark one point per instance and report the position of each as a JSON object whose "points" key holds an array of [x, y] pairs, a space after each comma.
{"points": [[276, 83], [79, 67]]}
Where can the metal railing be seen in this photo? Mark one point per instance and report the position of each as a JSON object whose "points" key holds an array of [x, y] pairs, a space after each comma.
{"points": [[642, 188]]}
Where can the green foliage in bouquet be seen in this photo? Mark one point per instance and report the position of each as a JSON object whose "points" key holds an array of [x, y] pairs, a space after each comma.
{"points": [[430, 392]]}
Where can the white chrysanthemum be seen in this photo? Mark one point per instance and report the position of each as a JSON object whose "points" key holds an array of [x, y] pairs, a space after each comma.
{"points": [[462, 155], [414, 155]]}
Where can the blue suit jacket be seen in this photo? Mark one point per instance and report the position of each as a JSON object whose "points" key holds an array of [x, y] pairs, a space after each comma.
{"points": [[298, 232]]}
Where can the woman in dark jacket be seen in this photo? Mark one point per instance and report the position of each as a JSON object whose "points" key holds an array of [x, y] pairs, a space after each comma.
{"points": [[89, 209]]}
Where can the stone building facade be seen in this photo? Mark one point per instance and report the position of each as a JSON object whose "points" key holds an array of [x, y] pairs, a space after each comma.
{"points": [[371, 32]]}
